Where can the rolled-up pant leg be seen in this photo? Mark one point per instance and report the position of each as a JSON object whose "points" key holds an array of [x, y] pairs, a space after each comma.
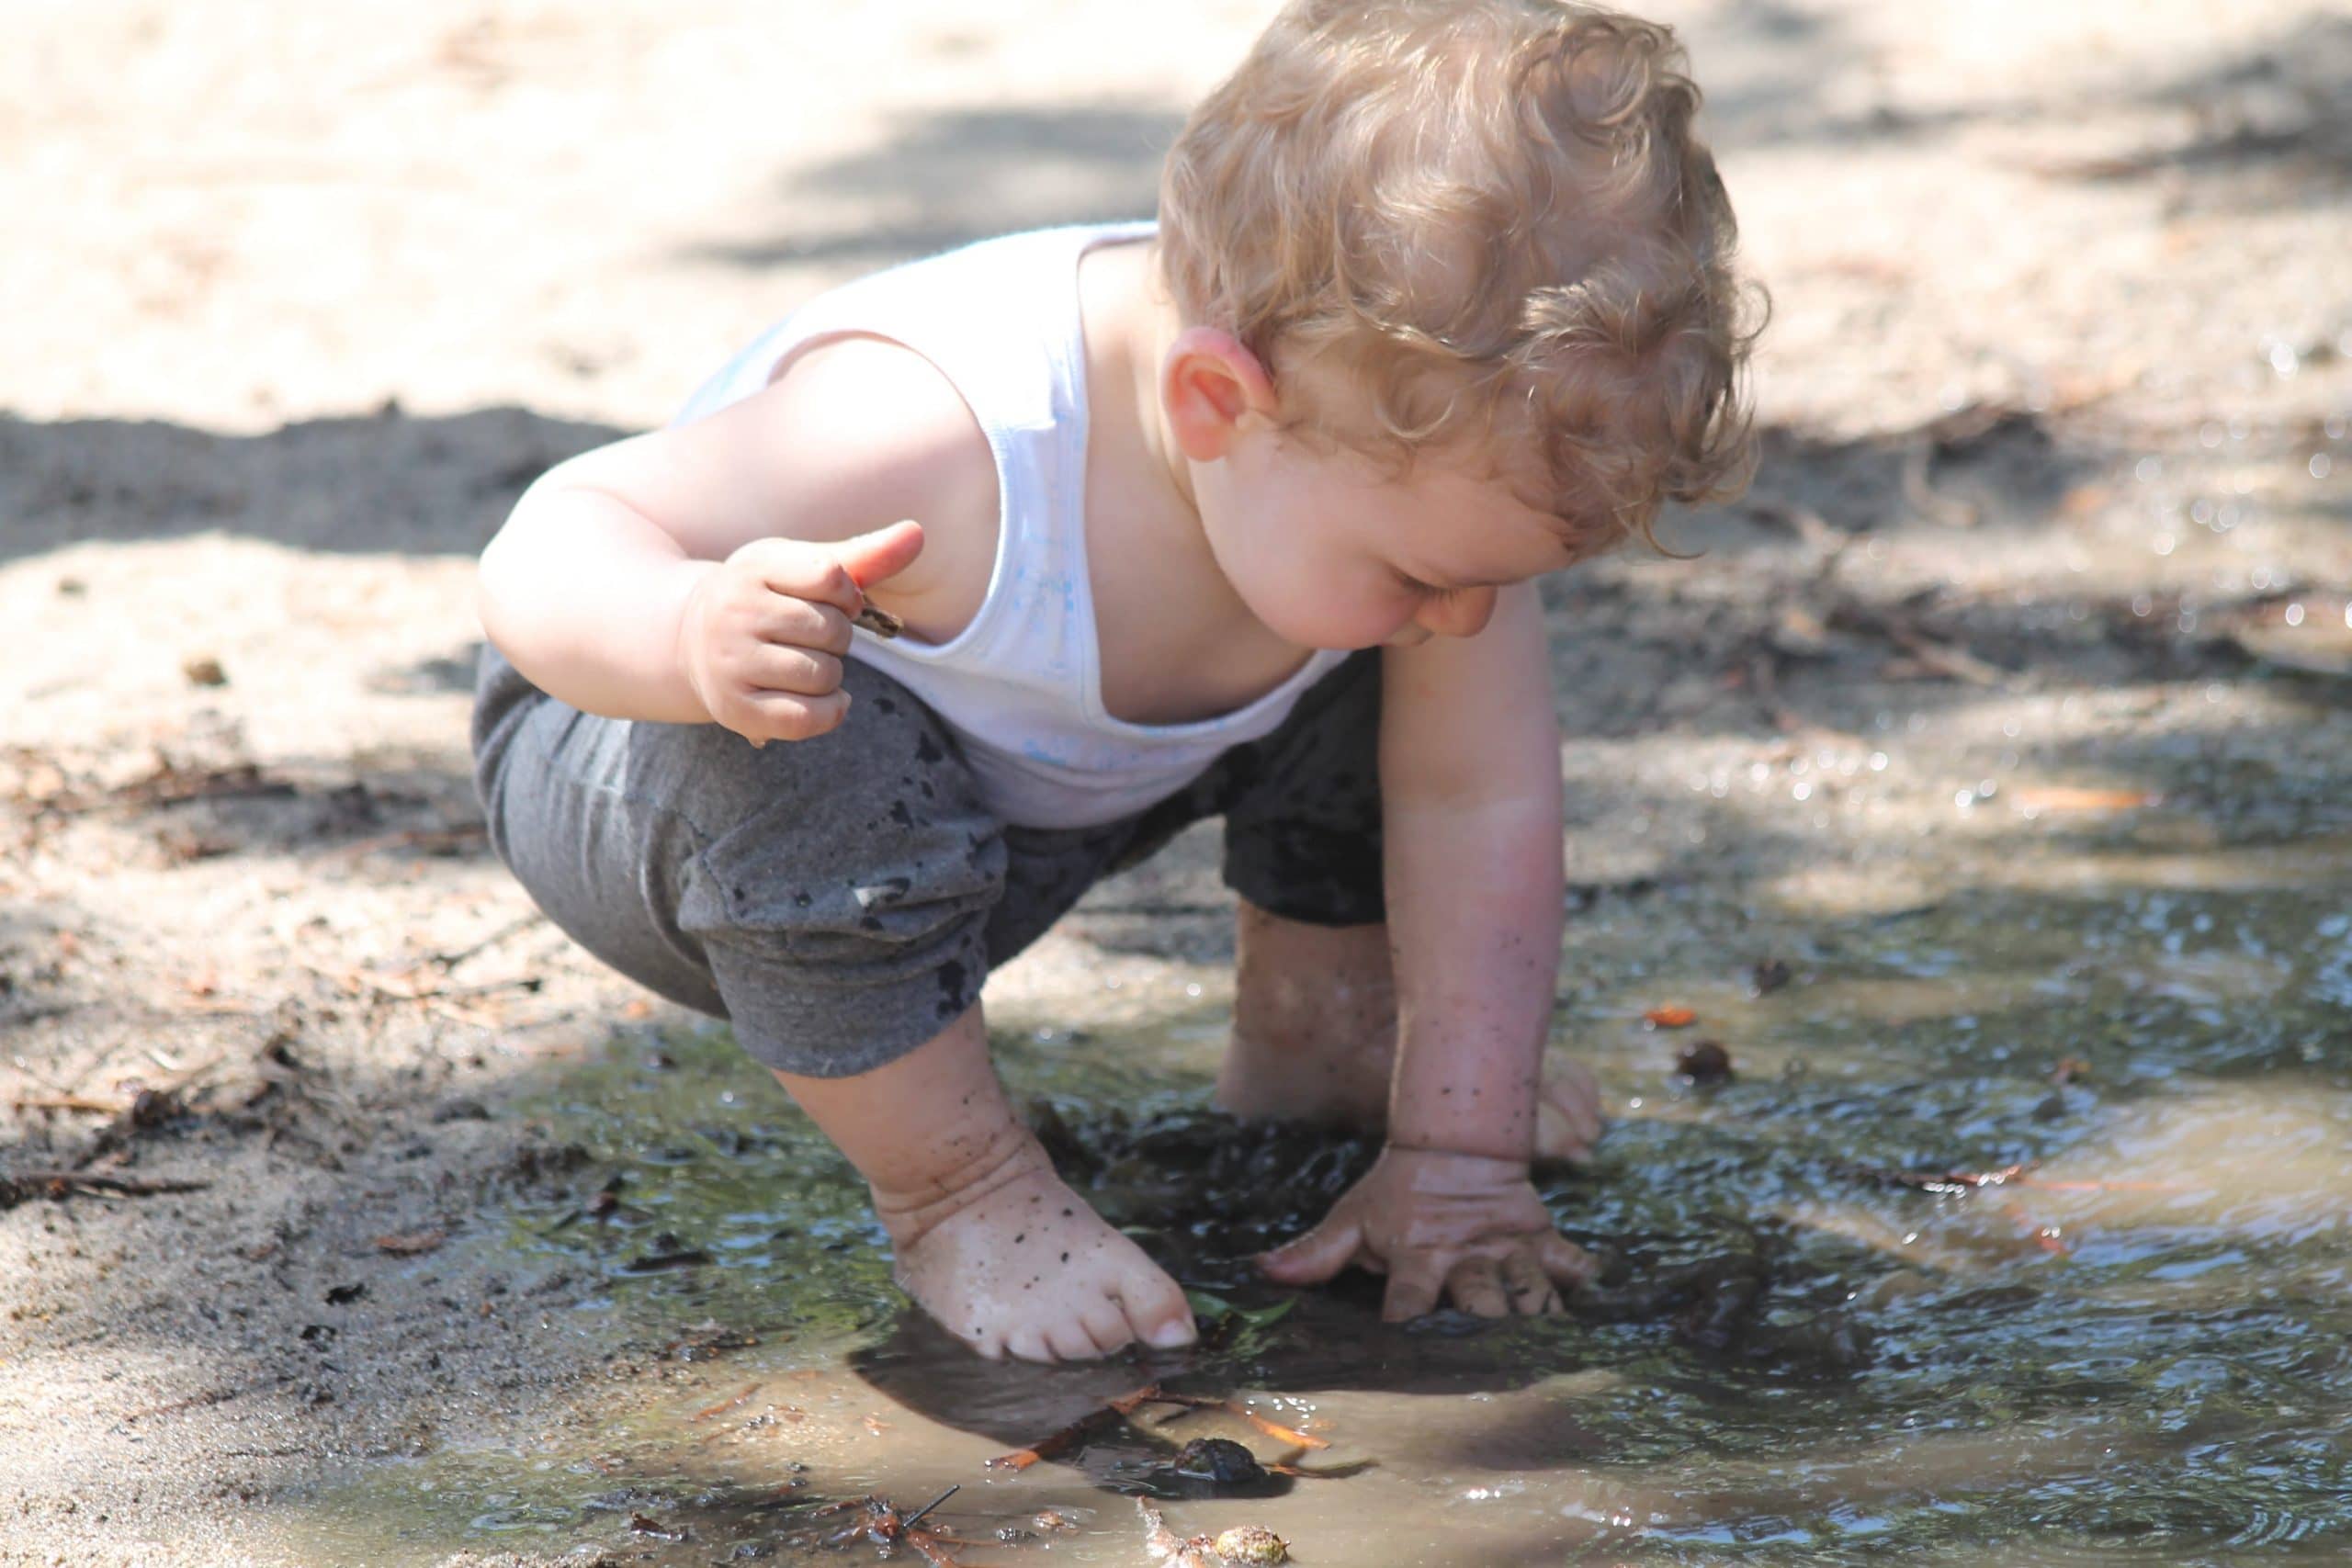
{"points": [[841, 900], [831, 897]]}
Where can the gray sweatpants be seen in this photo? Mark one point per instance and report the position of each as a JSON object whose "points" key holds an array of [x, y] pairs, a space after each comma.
{"points": [[841, 900]]}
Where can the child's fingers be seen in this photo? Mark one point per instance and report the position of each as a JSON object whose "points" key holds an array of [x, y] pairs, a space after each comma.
{"points": [[1315, 1257], [1412, 1291], [763, 717], [1476, 1286], [1529, 1288], [1563, 1260], [882, 554], [798, 623], [800, 570], [798, 671]]}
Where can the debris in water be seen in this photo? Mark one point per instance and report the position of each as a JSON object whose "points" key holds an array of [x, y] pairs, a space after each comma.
{"points": [[1670, 1018], [1252, 1544], [2034, 800], [1704, 1061], [1768, 976], [706, 1341], [730, 1402], [1074, 1434], [410, 1244], [883, 1525], [673, 1256], [1219, 1461], [1165, 1546], [641, 1525], [1233, 1408]]}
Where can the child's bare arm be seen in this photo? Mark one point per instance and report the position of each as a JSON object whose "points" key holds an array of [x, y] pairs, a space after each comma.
{"points": [[1470, 804], [709, 571], [1470, 788]]}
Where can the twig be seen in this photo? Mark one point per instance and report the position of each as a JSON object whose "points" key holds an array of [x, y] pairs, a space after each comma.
{"points": [[433, 840], [450, 960], [70, 1103], [1118, 1410], [908, 1522], [705, 1413], [193, 1402], [60, 1185], [1232, 1408]]}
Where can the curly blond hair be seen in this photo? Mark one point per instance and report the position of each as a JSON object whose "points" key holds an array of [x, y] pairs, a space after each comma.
{"points": [[1490, 222]]}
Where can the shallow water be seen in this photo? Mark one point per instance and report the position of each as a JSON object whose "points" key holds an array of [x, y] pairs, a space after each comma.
{"points": [[2136, 1348]]}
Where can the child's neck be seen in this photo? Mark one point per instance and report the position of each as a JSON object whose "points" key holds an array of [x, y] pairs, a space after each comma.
{"points": [[1176, 640], [1140, 484], [1130, 323]]}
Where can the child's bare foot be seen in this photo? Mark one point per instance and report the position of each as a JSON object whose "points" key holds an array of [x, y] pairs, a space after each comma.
{"points": [[1315, 1037], [1013, 1263], [990, 1241]]}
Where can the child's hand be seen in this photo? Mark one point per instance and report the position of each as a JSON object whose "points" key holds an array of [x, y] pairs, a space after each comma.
{"points": [[763, 635], [1463, 1226]]}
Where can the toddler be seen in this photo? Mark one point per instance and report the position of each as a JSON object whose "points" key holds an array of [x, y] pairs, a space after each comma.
{"points": [[1235, 514]]}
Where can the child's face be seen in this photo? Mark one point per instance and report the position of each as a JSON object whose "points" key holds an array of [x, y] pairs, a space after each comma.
{"points": [[1328, 552]]}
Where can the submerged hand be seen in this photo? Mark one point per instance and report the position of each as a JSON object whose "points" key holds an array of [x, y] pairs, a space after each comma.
{"points": [[1438, 1224]]}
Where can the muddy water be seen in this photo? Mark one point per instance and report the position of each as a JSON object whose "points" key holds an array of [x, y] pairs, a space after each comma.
{"points": [[2023, 1235]]}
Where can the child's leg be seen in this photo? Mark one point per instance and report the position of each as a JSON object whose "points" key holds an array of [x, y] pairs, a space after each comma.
{"points": [[989, 1240], [840, 901], [1315, 1005], [1314, 1035]]}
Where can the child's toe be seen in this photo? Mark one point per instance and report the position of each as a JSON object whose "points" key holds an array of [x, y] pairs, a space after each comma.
{"points": [[1071, 1341], [1107, 1325], [1158, 1312]]}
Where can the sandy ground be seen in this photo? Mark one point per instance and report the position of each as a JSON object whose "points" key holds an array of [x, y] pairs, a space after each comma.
{"points": [[298, 297]]}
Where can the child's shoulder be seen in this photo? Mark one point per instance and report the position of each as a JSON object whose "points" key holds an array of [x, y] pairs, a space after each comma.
{"points": [[868, 430]]}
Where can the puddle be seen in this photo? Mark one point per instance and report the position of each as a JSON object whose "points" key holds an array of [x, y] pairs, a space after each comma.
{"points": [[1904, 1285]]}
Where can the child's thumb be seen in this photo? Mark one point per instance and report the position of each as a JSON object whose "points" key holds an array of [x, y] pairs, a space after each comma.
{"points": [[1315, 1257], [882, 554]]}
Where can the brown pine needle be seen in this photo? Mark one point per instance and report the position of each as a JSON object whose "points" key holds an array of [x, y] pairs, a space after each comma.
{"points": [[728, 1404]]}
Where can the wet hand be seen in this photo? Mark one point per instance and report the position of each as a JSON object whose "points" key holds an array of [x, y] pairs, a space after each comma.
{"points": [[763, 635], [1442, 1226]]}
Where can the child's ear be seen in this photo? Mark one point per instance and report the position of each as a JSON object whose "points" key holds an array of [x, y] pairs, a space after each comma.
{"points": [[1210, 384]]}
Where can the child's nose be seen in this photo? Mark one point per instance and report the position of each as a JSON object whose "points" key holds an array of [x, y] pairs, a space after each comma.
{"points": [[1463, 613]]}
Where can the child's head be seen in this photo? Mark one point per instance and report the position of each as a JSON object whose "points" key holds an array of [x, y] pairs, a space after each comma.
{"points": [[1476, 229]]}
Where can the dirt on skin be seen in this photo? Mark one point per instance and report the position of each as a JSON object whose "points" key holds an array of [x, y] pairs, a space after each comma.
{"points": [[2057, 497]]}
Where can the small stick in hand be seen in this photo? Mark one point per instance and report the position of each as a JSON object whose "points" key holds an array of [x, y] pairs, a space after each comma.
{"points": [[881, 622]]}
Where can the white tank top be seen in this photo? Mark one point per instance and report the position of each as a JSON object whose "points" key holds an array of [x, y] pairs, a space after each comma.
{"points": [[1021, 685]]}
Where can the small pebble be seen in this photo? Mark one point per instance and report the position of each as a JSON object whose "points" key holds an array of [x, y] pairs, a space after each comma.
{"points": [[1705, 1062], [1251, 1544]]}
